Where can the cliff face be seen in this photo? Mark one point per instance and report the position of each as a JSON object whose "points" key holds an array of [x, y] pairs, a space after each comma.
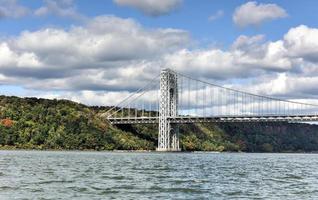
{"points": [[32, 123]]}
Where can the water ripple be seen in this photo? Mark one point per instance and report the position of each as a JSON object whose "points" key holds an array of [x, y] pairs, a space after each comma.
{"points": [[100, 175]]}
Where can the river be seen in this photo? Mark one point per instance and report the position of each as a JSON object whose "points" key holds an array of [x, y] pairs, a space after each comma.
{"points": [[108, 175]]}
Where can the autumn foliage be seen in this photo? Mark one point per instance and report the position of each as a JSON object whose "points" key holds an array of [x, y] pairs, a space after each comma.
{"points": [[6, 122]]}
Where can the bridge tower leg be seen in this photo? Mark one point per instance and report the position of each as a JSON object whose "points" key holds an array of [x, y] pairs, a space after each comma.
{"points": [[168, 137]]}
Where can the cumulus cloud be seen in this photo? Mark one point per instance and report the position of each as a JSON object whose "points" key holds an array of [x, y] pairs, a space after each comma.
{"points": [[284, 68], [284, 85], [254, 14], [302, 41], [151, 7], [248, 57], [115, 56], [104, 39], [98, 56], [12, 9]]}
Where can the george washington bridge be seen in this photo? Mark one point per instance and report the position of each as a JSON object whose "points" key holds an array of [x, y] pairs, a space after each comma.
{"points": [[173, 98]]}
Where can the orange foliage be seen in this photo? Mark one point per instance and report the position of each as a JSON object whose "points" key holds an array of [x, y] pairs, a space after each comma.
{"points": [[6, 122]]}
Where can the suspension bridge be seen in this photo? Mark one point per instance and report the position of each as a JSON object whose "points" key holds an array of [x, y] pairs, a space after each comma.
{"points": [[173, 98]]}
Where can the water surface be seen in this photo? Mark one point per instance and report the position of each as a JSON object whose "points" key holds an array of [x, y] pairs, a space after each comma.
{"points": [[106, 175]]}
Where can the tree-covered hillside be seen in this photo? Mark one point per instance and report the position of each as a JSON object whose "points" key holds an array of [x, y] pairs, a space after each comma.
{"points": [[59, 124], [32, 123]]}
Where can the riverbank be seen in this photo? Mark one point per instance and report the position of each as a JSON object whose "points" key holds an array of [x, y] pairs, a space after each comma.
{"points": [[42, 124], [13, 148]]}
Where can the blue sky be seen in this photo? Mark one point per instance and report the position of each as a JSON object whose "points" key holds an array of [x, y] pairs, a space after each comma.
{"points": [[260, 48], [191, 16]]}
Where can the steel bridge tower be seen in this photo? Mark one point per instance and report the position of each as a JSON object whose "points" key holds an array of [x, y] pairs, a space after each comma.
{"points": [[168, 137]]}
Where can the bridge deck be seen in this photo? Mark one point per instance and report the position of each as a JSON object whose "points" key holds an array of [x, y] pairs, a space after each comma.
{"points": [[217, 119]]}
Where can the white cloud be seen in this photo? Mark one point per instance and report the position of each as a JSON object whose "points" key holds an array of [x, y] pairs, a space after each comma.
{"points": [[87, 97], [11, 9], [210, 63], [114, 56], [284, 85], [217, 15], [284, 68], [97, 56], [248, 43], [249, 57], [254, 14], [151, 7], [302, 41], [104, 39], [61, 8]]}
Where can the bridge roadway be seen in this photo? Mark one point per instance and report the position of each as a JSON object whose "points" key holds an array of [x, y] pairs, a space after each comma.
{"points": [[216, 119]]}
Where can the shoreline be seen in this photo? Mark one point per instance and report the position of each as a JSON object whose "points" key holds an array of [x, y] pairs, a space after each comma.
{"points": [[144, 151]]}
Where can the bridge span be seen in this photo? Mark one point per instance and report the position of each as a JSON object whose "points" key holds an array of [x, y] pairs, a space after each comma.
{"points": [[173, 98], [220, 119]]}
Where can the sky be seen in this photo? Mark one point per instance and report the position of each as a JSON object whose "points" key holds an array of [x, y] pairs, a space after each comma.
{"points": [[98, 52]]}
